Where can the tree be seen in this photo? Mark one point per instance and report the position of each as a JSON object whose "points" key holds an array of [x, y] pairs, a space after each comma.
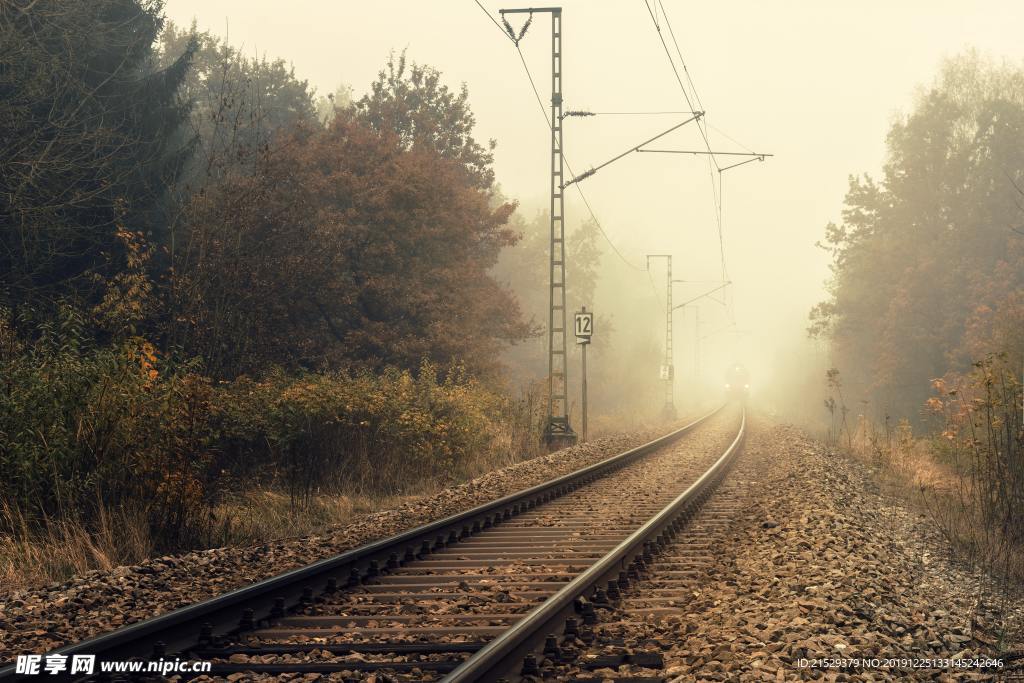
{"points": [[583, 244], [410, 100], [925, 264], [346, 248], [90, 137], [327, 105], [524, 269], [238, 103]]}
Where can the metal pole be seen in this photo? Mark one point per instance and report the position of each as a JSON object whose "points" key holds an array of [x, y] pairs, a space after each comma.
{"points": [[585, 345], [670, 385], [557, 432], [696, 343], [669, 408]]}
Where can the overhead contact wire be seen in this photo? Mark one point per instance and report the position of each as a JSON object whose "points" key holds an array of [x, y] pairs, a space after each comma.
{"points": [[494, 21], [568, 166], [696, 95], [716, 191], [540, 102]]}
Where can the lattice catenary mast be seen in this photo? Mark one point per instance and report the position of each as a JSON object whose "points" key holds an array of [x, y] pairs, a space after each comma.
{"points": [[668, 369], [557, 432]]}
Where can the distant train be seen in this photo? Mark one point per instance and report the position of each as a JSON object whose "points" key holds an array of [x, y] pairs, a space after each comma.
{"points": [[737, 381]]}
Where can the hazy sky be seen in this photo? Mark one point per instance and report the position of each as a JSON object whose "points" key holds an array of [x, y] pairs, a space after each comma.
{"points": [[815, 83]]}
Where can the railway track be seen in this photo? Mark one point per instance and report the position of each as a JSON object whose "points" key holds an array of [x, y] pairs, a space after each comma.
{"points": [[502, 591], [671, 583]]}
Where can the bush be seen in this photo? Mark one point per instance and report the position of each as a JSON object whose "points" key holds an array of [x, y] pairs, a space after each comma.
{"points": [[355, 432], [86, 427], [87, 430], [983, 440]]}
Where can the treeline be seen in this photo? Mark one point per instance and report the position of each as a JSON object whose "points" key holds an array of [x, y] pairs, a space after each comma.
{"points": [[210, 276], [926, 313], [927, 261]]}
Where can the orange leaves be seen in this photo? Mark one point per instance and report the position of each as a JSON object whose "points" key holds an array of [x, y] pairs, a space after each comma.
{"points": [[127, 296], [143, 355]]}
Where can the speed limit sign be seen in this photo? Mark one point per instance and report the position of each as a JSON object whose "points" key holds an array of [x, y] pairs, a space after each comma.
{"points": [[584, 326]]}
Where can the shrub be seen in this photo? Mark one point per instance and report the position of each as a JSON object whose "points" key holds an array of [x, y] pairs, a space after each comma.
{"points": [[88, 429], [357, 431], [83, 426], [983, 439]]}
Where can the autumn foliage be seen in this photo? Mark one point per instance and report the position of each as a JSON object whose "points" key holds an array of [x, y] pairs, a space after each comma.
{"points": [[85, 429], [344, 249], [212, 282]]}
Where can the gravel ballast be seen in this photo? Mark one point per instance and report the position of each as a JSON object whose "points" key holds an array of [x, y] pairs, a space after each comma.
{"points": [[820, 577]]}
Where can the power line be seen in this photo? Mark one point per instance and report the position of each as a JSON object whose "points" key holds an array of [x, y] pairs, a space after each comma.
{"points": [[494, 21], [696, 95], [672, 63], [721, 238], [715, 192], [679, 52], [568, 166], [728, 137]]}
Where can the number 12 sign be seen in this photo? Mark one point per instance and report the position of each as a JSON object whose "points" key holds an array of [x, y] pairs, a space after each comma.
{"points": [[584, 327]]}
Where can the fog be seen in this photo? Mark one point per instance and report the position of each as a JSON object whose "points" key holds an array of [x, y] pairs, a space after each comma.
{"points": [[815, 84]]}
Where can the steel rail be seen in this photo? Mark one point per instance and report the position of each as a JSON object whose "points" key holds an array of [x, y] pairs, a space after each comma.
{"points": [[234, 612], [503, 656]]}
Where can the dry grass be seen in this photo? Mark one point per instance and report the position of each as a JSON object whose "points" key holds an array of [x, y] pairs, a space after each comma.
{"points": [[910, 469], [37, 555], [34, 555], [290, 455], [904, 463], [264, 515]]}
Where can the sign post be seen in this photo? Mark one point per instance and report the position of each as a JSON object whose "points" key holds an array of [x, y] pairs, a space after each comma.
{"points": [[584, 331]]}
